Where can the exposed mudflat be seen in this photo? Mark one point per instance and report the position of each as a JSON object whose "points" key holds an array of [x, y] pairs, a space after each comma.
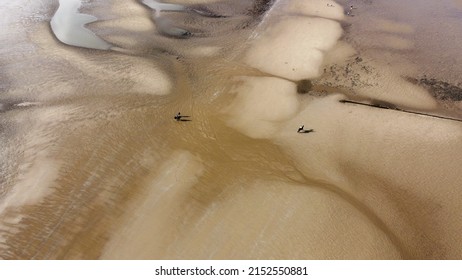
{"points": [[93, 164]]}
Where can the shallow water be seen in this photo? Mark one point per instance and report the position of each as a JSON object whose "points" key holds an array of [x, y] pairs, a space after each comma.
{"points": [[96, 167], [67, 25]]}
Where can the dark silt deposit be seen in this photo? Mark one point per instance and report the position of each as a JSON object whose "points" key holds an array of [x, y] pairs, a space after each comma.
{"points": [[440, 89], [354, 73], [304, 86]]}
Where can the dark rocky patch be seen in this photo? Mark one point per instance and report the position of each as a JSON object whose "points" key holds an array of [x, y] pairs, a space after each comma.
{"points": [[304, 86], [260, 7], [6, 106], [355, 73], [439, 89]]}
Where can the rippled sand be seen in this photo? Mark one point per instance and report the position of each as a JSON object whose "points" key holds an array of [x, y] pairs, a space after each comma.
{"points": [[93, 165]]}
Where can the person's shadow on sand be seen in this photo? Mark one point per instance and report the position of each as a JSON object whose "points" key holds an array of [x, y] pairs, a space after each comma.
{"points": [[181, 118], [306, 131], [302, 129]]}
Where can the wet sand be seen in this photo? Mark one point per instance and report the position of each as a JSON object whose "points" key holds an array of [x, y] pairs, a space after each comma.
{"points": [[95, 167]]}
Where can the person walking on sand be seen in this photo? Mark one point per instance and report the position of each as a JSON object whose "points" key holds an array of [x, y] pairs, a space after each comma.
{"points": [[178, 116], [300, 129]]}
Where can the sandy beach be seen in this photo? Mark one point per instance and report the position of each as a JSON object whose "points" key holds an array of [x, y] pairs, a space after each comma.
{"points": [[94, 166]]}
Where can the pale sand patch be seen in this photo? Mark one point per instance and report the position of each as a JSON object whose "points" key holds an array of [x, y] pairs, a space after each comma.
{"points": [[149, 225], [340, 52], [38, 171], [204, 51], [124, 8], [384, 133], [261, 104], [126, 15], [68, 25], [279, 220], [33, 185], [129, 26], [126, 42], [135, 23], [148, 79], [26, 104], [293, 46]]}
